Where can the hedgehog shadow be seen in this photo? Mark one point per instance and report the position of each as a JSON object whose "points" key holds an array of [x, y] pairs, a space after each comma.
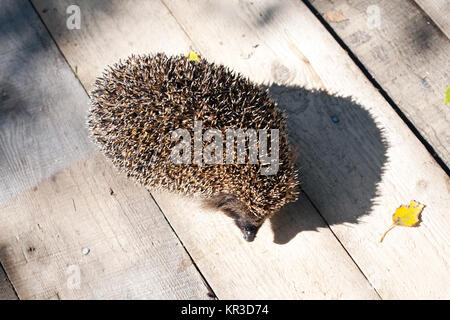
{"points": [[341, 153]]}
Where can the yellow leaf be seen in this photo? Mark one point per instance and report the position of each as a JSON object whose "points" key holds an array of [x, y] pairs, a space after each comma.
{"points": [[447, 96], [406, 216], [192, 56]]}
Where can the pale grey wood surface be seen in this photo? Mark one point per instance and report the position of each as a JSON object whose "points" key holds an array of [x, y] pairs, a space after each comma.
{"points": [[356, 171], [406, 54], [132, 252], [42, 110], [303, 266], [294, 257], [70, 225]]}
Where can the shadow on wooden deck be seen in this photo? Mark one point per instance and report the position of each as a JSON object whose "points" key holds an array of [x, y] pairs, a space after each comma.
{"points": [[31, 149], [334, 137], [35, 42]]}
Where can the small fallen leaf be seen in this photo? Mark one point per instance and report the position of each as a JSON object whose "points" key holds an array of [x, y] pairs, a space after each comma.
{"points": [[334, 16], [447, 96], [406, 216], [192, 56]]}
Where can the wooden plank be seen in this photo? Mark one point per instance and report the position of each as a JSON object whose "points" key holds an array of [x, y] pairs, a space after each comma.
{"points": [[101, 20], [33, 141], [133, 254], [6, 290], [294, 257], [70, 225], [438, 11], [296, 265], [406, 54], [359, 181]]}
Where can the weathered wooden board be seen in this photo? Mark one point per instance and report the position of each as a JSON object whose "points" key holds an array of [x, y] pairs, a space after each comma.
{"points": [[38, 136], [6, 290], [301, 265], [438, 11], [406, 54], [133, 254], [101, 21], [357, 171], [295, 257], [70, 226]]}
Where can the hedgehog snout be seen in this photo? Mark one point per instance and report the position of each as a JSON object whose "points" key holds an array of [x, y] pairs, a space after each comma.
{"points": [[249, 231]]}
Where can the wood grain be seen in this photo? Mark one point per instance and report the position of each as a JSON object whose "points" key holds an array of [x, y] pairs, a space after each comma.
{"points": [[42, 109], [356, 171], [406, 54], [90, 233], [70, 225], [295, 258], [296, 265]]}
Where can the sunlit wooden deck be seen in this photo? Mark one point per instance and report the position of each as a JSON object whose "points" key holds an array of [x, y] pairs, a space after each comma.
{"points": [[72, 227]]}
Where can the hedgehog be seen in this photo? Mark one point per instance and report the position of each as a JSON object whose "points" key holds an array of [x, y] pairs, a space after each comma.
{"points": [[148, 111]]}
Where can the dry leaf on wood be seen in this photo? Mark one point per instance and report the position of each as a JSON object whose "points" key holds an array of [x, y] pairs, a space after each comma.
{"points": [[406, 216]]}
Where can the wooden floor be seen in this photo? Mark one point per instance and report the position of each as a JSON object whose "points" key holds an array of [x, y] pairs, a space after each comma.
{"points": [[71, 227]]}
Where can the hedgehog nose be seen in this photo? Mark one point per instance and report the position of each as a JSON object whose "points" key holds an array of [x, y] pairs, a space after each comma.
{"points": [[249, 235]]}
